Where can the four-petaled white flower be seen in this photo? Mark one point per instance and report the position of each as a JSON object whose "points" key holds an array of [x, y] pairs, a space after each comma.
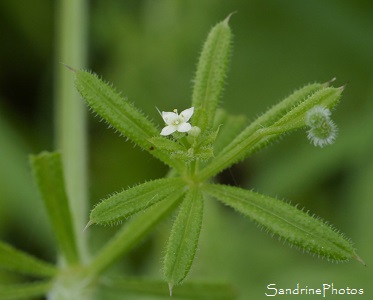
{"points": [[177, 122]]}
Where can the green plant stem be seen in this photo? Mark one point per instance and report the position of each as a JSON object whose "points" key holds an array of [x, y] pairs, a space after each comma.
{"points": [[70, 115]]}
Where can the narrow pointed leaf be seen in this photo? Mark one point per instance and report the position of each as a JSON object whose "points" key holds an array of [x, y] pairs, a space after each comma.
{"points": [[272, 126], [120, 113], [211, 73], [124, 204], [327, 97], [17, 261], [132, 232], [24, 291], [49, 176], [294, 226], [189, 290], [183, 241], [277, 111]]}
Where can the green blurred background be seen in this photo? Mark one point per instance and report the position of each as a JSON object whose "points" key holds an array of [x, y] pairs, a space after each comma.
{"points": [[149, 50]]}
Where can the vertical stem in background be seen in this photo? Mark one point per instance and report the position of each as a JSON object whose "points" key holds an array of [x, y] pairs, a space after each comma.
{"points": [[70, 114]]}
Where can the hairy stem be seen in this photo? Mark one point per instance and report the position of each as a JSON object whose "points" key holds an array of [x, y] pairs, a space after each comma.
{"points": [[70, 116]]}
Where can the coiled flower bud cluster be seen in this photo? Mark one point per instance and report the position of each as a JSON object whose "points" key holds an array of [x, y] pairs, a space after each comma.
{"points": [[323, 130]]}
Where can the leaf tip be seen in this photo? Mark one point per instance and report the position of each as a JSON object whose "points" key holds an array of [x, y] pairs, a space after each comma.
{"points": [[170, 287], [88, 224], [341, 88], [360, 260], [229, 16], [329, 82]]}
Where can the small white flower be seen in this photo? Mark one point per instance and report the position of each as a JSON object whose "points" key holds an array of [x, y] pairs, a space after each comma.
{"points": [[177, 122]]}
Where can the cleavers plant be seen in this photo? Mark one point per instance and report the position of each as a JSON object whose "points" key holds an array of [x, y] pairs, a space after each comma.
{"points": [[197, 144], [194, 146]]}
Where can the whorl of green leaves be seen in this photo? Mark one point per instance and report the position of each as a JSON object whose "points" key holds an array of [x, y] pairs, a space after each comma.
{"points": [[221, 140]]}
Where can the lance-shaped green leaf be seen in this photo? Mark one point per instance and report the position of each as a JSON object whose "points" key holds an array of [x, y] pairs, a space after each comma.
{"points": [[24, 290], [296, 227], [120, 113], [132, 232], [211, 73], [277, 111], [327, 97], [124, 204], [189, 290], [49, 176], [256, 136], [183, 241], [18, 261]]}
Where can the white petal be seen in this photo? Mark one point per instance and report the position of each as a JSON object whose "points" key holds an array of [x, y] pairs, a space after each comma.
{"points": [[168, 130], [185, 127], [169, 117], [186, 114]]}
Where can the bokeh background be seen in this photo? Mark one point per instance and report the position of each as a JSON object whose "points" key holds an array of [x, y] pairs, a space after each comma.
{"points": [[149, 50]]}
